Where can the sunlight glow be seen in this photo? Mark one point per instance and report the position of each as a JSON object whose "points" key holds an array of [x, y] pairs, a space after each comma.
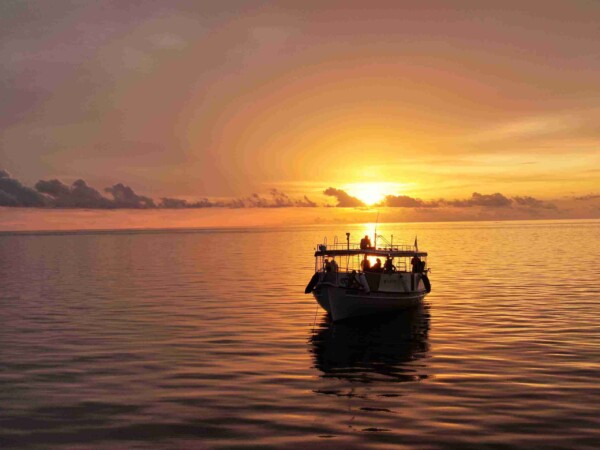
{"points": [[373, 192]]}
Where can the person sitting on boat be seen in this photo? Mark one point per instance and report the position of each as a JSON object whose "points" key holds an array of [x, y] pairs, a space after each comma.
{"points": [[416, 264], [353, 282], [389, 265], [377, 266], [365, 243], [365, 264]]}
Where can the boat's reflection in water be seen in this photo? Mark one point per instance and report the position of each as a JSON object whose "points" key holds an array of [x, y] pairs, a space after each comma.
{"points": [[372, 349]]}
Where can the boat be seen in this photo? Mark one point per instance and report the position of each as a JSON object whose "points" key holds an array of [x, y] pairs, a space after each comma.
{"points": [[350, 279]]}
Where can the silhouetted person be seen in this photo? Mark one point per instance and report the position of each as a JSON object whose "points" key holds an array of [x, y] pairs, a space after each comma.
{"points": [[416, 264], [365, 243], [334, 265], [377, 266], [353, 282], [365, 264], [389, 265], [327, 265]]}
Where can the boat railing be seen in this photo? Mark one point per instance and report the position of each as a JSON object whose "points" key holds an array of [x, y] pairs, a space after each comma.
{"points": [[399, 248], [322, 247], [337, 246]]}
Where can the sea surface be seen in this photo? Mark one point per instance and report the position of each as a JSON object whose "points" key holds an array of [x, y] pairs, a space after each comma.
{"points": [[205, 339]]}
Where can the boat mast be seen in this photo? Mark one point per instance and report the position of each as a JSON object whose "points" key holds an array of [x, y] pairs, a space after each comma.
{"points": [[348, 245], [375, 237]]}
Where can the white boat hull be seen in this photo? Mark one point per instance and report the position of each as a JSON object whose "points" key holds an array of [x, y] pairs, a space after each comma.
{"points": [[342, 303]]}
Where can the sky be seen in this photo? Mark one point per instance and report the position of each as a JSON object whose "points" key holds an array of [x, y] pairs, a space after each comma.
{"points": [[220, 100]]}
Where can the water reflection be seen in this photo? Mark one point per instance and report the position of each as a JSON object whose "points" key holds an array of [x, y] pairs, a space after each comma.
{"points": [[375, 348]]}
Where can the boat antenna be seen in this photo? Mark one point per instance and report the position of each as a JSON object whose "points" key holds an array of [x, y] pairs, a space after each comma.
{"points": [[348, 255], [375, 237]]}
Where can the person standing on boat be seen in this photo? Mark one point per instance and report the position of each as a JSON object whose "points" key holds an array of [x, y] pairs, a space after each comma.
{"points": [[365, 264], [365, 243], [416, 264], [389, 265], [327, 265]]}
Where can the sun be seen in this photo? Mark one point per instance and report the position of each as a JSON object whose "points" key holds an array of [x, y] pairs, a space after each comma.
{"points": [[371, 192]]}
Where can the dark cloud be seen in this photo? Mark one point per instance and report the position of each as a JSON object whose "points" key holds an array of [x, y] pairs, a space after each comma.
{"points": [[278, 200], [344, 200], [306, 203], [124, 197], [281, 200], [404, 201], [78, 195], [167, 202], [54, 188], [588, 197], [13, 193], [532, 202], [256, 201], [177, 203], [54, 193], [496, 200]]}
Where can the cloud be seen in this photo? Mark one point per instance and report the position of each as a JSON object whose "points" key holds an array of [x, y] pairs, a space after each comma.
{"points": [[54, 193], [177, 203], [167, 202], [124, 197], [13, 193], [282, 200], [496, 200], [344, 200], [278, 200], [255, 201], [54, 188], [78, 195], [588, 197], [404, 201], [533, 202]]}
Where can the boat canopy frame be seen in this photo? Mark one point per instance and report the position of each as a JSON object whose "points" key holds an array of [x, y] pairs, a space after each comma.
{"points": [[351, 250], [385, 252]]}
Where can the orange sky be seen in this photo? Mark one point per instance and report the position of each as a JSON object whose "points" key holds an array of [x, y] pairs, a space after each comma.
{"points": [[192, 99]]}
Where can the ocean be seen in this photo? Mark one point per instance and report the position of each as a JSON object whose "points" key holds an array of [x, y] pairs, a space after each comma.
{"points": [[204, 338]]}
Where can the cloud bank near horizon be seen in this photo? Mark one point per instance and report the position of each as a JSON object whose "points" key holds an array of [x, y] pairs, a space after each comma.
{"points": [[56, 194], [496, 200]]}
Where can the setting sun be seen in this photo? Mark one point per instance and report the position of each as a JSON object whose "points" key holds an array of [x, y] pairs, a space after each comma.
{"points": [[373, 192]]}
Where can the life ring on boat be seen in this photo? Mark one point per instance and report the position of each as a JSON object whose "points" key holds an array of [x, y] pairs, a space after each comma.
{"points": [[426, 282], [312, 283]]}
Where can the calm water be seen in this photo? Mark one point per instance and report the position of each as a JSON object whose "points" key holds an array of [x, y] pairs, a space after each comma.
{"points": [[204, 339]]}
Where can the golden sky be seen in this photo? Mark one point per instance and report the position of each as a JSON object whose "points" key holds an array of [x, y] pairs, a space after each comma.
{"points": [[195, 99]]}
